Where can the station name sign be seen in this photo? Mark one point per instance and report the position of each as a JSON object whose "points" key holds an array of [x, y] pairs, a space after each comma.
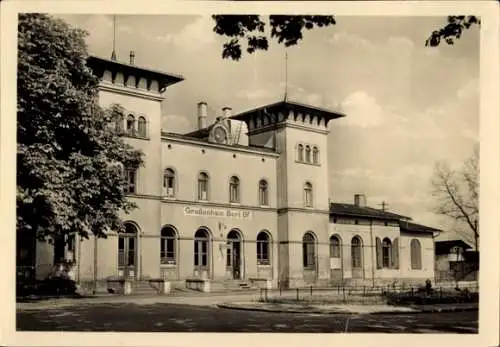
{"points": [[223, 213]]}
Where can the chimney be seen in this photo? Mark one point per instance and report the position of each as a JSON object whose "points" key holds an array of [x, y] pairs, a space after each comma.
{"points": [[226, 111], [132, 57], [360, 200], [202, 115]]}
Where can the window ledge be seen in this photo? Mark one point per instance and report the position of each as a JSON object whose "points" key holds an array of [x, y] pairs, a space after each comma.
{"points": [[168, 265], [306, 163], [133, 136]]}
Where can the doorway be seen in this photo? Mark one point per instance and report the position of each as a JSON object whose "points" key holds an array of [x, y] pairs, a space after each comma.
{"points": [[233, 259], [127, 252]]}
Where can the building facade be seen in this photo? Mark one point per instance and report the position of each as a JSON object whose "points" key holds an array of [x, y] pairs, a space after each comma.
{"points": [[214, 210]]}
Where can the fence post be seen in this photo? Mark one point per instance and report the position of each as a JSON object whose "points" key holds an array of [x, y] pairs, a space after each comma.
{"points": [[280, 290], [265, 294], [311, 288], [364, 291], [297, 294], [343, 291], [411, 291]]}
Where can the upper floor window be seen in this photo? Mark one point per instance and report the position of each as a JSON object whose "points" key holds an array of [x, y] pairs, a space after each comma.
{"points": [[263, 193], [202, 186], [300, 153], [315, 155], [120, 119], [308, 154], [169, 183], [234, 189], [130, 178], [141, 127], [130, 124], [308, 194]]}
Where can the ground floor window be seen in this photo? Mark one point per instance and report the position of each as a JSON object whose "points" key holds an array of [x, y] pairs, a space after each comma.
{"points": [[167, 246], [309, 250], [356, 255], [201, 240], [263, 248]]}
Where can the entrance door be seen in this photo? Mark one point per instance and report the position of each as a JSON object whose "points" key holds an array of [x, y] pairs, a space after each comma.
{"points": [[236, 260], [233, 262], [127, 252]]}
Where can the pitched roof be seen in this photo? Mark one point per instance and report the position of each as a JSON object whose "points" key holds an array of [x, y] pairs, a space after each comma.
{"points": [[164, 79], [351, 210], [204, 140], [416, 228], [289, 105]]}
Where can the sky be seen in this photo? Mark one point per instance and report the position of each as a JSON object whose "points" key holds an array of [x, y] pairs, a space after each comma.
{"points": [[407, 105]]}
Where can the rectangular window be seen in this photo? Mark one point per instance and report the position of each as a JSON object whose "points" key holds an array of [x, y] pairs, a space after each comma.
{"points": [[202, 190], [130, 176], [234, 193]]}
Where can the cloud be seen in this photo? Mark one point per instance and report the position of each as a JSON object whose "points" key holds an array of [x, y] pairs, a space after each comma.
{"points": [[175, 123], [362, 110], [194, 35]]}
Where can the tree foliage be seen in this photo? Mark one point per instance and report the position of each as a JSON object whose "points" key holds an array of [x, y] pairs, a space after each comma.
{"points": [[287, 30], [69, 177], [457, 192], [453, 30]]}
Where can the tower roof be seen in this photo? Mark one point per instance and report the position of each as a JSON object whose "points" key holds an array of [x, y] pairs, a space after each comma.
{"points": [[286, 105], [164, 79]]}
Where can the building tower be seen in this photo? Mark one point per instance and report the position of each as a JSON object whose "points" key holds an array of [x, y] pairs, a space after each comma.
{"points": [[299, 134]]}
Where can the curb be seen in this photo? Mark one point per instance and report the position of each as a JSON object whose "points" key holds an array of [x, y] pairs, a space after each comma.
{"points": [[415, 310], [259, 309]]}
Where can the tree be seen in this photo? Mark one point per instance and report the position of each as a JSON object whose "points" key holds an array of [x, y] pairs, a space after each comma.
{"points": [[286, 30], [457, 192], [69, 177], [453, 30]]}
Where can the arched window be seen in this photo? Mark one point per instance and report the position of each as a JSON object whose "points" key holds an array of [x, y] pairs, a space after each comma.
{"points": [[416, 254], [127, 249], [202, 186], [263, 257], [169, 183], [130, 124], [300, 153], [315, 155], [356, 254], [386, 253], [141, 126], [167, 246], [308, 154], [234, 189], [201, 250], [131, 180], [308, 250], [120, 119], [263, 194], [334, 246], [308, 195]]}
